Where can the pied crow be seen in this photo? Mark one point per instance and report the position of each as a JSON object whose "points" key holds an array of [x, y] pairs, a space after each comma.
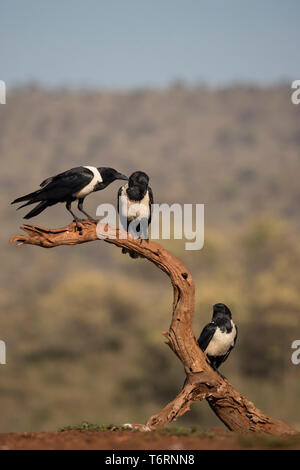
{"points": [[135, 201], [218, 338], [71, 185]]}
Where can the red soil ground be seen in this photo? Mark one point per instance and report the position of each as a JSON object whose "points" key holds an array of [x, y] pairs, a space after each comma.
{"points": [[119, 440]]}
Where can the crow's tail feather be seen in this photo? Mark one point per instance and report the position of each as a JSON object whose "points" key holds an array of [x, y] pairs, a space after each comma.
{"points": [[27, 197], [37, 210], [26, 204]]}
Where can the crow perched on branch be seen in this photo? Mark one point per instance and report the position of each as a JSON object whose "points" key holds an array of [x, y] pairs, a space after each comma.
{"points": [[219, 336], [135, 199], [71, 185]]}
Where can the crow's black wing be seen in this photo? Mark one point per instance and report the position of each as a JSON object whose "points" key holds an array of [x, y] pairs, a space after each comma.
{"points": [[61, 186], [80, 170], [206, 335], [66, 184], [151, 201]]}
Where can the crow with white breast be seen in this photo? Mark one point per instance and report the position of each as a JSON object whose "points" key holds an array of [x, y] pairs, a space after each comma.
{"points": [[135, 199], [69, 186], [219, 336]]}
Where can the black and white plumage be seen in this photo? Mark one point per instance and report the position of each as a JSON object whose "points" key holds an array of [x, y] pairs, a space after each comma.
{"points": [[135, 201], [218, 338], [71, 185]]}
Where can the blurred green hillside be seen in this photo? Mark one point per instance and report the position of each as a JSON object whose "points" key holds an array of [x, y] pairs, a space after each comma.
{"points": [[83, 324]]}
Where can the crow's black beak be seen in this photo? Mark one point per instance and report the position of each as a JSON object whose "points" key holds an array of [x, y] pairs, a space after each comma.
{"points": [[119, 176]]}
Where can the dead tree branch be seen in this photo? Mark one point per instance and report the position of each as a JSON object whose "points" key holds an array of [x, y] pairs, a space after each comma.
{"points": [[232, 408]]}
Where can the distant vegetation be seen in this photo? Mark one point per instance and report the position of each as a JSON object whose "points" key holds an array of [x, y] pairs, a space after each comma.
{"points": [[83, 324]]}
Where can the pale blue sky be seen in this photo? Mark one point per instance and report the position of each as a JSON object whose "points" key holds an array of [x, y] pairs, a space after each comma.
{"points": [[135, 43]]}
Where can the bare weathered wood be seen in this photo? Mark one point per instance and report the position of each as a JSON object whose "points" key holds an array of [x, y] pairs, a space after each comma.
{"points": [[232, 408]]}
